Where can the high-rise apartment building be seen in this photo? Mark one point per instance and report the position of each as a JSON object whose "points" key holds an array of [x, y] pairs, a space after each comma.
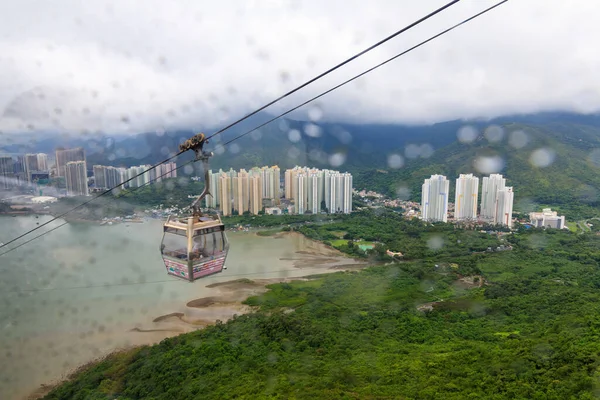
{"points": [[63, 156], [489, 192], [76, 178], [465, 204], [434, 198], [255, 193], [504, 206], [241, 192], [225, 194], [106, 177], [7, 174]]}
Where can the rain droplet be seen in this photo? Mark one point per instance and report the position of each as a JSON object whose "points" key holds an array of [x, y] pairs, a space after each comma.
{"points": [[412, 151], [256, 135], [435, 243], [219, 149], [293, 152], [188, 170], [594, 157], [312, 130], [466, 134], [518, 139], [426, 150], [337, 159], [489, 165], [542, 157], [160, 131], [494, 133], [395, 161], [294, 136], [315, 113], [403, 192], [234, 148], [164, 150]]}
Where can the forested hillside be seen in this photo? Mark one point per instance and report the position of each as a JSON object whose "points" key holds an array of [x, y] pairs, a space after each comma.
{"points": [[517, 324]]}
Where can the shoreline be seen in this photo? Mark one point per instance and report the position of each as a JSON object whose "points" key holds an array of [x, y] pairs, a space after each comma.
{"points": [[222, 303]]}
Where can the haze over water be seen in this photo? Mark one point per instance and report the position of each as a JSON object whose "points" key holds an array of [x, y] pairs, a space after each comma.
{"points": [[52, 321]]}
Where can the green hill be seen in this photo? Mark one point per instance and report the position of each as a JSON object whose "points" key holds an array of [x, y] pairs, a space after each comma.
{"points": [[524, 326], [558, 166]]}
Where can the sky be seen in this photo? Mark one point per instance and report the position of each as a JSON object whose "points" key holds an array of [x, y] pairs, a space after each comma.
{"points": [[126, 67]]}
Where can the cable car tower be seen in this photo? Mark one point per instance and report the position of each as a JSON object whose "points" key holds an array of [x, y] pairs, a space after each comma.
{"points": [[195, 246]]}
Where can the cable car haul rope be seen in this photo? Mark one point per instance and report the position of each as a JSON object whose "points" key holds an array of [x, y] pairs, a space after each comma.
{"points": [[196, 245]]}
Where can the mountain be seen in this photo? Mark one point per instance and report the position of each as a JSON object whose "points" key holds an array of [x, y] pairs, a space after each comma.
{"points": [[393, 159], [548, 164]]}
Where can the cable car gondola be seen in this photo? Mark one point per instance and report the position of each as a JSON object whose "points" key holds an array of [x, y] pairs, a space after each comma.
{"points": [[195, 246]]}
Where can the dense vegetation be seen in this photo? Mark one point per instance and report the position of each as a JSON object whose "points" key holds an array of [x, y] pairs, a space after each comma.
{"points": [[388, 230], [525, 324]]}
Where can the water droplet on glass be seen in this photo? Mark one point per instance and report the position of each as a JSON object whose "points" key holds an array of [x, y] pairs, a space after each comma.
{"points": [[312, 130], [403, 192], [256, 135], [160, 131], [395, 161], [494, 133], [466, 134], [412, 151], [518, 139], [489, 164], [188, 170], [435, 243], [337, 159], [164, 150], [219, 149], [542, 157], [294, 136], [315, 113], [234, 148], [426, 150], [594, 157], [293, 152]]}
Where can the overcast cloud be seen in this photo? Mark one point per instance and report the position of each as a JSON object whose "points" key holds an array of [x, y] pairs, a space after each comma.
{"points": [[134, 66]]}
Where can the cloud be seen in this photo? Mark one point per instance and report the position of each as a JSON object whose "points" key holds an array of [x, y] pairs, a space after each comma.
{"points": [[133, 66]]}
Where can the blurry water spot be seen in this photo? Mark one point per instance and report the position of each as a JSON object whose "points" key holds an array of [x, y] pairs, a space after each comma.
{"points": [[395, 161], [318, 156], [121, 152], [160, 131], [542, 157], [494, 133], [294, 136], [537, 241], [337, 159], [164, 150], [234, 148], [594, 157], [466, 134], [284, 76], [219, 149], [315, 113], [188, 170], [435, 243], [284, 126], [343, 136], [111, 157], [412, 151], [588, 194], [489, 164], [403, 192], [518, 139], [426, 150], [256, 135], [312, 130], [183, 181], [293, 152]]}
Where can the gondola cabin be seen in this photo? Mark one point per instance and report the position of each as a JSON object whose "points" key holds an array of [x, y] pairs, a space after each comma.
{"points": [[194, 247]]}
